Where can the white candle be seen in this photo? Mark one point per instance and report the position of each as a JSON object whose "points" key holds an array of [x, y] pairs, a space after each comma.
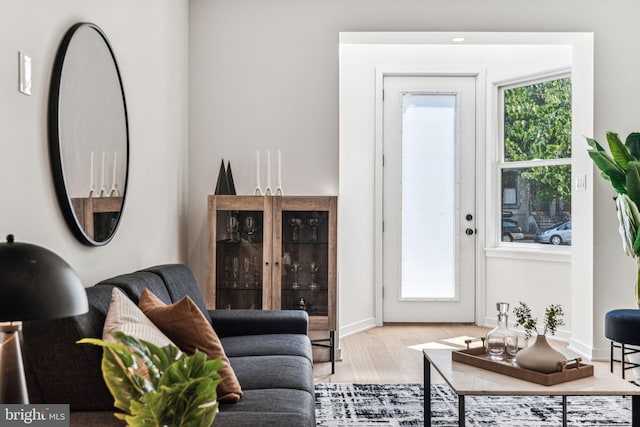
{"points": [[91, 172], [279, 169], [257, 167], [115, 167], [267, 190], [269, 168], [102, 170]]}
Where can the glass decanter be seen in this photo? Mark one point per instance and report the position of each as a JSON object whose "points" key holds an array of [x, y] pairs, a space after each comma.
{"points": [[498, 337]]}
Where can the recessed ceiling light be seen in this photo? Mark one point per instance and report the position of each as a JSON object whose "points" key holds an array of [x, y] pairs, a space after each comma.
{"points": [[458, 39]]}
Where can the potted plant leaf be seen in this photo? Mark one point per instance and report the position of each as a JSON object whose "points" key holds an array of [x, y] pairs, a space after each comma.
{"points": [[622, 169], [540, 356], [159, 386]]}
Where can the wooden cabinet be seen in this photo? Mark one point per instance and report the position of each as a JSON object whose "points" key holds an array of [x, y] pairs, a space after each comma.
{"points": [[98, 216], [274, 253]]}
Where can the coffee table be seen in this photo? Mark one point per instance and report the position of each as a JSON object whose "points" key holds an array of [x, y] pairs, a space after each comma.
{"points": [[467, 380]]}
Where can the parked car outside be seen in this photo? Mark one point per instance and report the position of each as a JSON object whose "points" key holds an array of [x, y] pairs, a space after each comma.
{"points": [[511, 230], [556, 235]]}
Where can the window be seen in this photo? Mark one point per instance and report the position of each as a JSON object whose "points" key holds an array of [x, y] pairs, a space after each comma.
{"points": [[535, 164]]}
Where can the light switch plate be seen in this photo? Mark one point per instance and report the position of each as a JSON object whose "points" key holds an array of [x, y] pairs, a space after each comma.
{"points": [[24, 71], [581, 183]]}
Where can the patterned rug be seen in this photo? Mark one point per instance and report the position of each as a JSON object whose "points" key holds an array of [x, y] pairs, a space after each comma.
{"points": [[401, 405]]}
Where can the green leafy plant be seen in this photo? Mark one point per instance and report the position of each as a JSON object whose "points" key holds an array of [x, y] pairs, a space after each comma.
{"points": [[552, 319], [622, 169], [159, 386]]}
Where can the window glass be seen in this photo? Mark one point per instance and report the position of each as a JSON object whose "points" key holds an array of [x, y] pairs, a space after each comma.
{"points": [[534, 200], [535, 174], [537, 121]]}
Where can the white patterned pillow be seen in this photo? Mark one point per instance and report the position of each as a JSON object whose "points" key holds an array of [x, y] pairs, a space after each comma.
{"points": [[125, 316]]}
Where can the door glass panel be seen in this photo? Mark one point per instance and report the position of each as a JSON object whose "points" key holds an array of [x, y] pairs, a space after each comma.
{"points": [[239, 253], [305, 261], [428, 196]]}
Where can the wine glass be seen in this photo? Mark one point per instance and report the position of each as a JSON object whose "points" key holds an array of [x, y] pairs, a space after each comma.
{"points": [[250, 227], [247, 269], [314, 223], [232, 227], [313, 268], [256, 271], [295, 224], [296, 268], [236, 271], [227, 269]]}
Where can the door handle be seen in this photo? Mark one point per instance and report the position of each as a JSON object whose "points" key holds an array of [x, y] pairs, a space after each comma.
{"points": [[469, 231]]}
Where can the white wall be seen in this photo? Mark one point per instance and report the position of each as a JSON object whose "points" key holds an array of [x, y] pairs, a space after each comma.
{"points": [[265, 74], [149, 38]]}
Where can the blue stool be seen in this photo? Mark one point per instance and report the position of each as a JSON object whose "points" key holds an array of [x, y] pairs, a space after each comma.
{"points": [[622, 327]]}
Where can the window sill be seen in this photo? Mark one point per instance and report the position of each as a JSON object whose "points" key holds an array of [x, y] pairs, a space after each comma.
{"points": [[533, 253]]}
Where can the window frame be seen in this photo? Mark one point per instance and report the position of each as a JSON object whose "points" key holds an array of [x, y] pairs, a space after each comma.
{"points": [[502, 165]]}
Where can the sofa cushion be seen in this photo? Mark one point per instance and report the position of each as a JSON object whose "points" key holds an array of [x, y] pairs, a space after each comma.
{"points": [[132, 285], [261, 372], [259, 322], [269, 408], [124, 316], [272, 344], [59, 370], [185, 324]]}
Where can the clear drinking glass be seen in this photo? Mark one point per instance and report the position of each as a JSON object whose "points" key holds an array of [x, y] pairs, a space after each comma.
{"points": [[247, 269], [232, 227], [296, 268], [236, 271], [513, 344], [250, 227], [496, 347], [313, 268]]}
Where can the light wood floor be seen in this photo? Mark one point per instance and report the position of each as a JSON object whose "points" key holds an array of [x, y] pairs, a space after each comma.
{"points": [[382, 355]]}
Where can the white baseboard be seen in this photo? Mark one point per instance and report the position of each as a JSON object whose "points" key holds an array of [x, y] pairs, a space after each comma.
{"points": [[356, 327], [587, 352]]}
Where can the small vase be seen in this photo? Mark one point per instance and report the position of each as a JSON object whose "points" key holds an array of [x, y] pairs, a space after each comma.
{"points": [[540, 357]]}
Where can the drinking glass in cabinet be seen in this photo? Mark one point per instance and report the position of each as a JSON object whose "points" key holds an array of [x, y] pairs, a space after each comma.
{"points": [[295, 224], [314, 223], [313, 269], [250, 228], [233, 227], [296, 268]]}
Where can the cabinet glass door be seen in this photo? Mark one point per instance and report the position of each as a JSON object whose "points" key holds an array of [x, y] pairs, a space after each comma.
{"points": [[239, 259], [305, 261]]}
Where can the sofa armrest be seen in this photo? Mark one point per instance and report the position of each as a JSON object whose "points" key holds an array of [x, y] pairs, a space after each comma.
{"points": [[228, 323]]}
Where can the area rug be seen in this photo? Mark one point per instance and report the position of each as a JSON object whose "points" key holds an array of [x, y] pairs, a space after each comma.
{"points": [[400, 405]]}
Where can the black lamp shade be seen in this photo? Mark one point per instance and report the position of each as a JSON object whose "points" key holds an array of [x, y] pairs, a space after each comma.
{"points": [[35, 284]]}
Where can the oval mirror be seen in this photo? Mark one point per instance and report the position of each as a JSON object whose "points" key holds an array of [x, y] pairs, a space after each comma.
{"points": [[88, 134]]}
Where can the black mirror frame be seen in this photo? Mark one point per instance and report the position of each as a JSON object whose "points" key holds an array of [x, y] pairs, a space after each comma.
{"points": [[54, 137]]}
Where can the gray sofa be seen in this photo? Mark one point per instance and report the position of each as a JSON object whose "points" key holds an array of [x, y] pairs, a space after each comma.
{"points": [[269, 351]]}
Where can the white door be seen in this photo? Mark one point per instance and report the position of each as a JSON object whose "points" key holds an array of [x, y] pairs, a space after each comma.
{"points": [[429, 139]]}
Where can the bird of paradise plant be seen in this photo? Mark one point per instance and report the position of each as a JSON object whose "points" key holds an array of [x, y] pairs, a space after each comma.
{"points": [[621, 168]]}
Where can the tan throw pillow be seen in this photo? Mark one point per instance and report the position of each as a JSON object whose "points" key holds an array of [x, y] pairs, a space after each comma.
{"points": [[125, 316], [184, 324]]}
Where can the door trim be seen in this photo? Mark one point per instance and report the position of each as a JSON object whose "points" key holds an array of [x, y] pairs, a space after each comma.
{"points": [[481, 107]]}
